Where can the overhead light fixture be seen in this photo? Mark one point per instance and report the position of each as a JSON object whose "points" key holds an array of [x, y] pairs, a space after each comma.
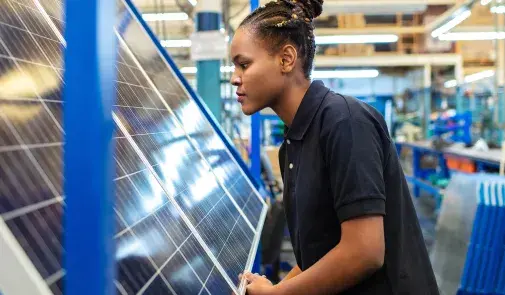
{"points": [[485, 2], [188, 70], [194, 70], [337, 74], [172, 16], [451, 84], [498, 9], [345, 74], [471, 36], [176, 43], [471, 78], [459, 17], [479, 76], [356, 39]]}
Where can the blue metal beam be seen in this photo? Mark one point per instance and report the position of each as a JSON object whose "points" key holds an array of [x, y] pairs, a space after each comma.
{"points": [[427, 112], [501, 112], [255, 131], [459, 99], [255, 156], [208, 75], [255, 4], [89, 95]]}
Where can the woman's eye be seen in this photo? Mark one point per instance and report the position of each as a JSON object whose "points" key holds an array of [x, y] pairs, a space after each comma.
{"points": [[244, 66]]}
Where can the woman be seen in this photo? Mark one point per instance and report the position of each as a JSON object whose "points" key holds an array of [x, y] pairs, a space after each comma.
{"points": [[353, 226]]}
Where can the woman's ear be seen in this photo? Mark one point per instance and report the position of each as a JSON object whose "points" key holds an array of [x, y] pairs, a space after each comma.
{"points": [[289, 56]]}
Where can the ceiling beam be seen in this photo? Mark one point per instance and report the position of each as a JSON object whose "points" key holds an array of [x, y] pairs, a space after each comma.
{"points": [[388, 60], [388, 2], [370, 30], [374, 7], [447, 15], [395, 30]]}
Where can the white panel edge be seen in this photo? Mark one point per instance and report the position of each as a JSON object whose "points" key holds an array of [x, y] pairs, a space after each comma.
{"points": [[17, 273]]}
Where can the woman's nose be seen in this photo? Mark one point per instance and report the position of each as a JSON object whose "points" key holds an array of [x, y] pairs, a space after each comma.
{"points": [[235, 79]]}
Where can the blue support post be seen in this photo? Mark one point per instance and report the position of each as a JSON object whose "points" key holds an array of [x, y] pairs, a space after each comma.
{"points": [[427, 112], [89, 95], [427, 100], [255, 131], [459, 99], [256, 146], [416, 167], [501, 112], [208, 77], [255, 155]]}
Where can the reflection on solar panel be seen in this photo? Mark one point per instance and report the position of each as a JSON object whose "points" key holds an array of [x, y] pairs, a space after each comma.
{"points": [[187, 217]]}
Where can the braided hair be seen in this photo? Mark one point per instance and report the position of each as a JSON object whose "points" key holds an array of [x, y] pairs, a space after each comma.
{"points": [[284, 22]]}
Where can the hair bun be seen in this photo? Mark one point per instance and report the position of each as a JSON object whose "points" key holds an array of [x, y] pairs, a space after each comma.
{"points": [[313, 8]]}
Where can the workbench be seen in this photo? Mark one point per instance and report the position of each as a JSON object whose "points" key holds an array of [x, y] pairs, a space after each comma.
{"points": [[484, 161]]}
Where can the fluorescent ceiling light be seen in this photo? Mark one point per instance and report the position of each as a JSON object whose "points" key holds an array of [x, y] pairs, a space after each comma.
{"points": [[485, 2], [451, 84], [462, 36], [175, 43], [341, 74], [479, 76], [498, 9], [356, 39], [460, 17], [173, 16], [471, 78], [345, 74], [188, 70], [194, 70]]}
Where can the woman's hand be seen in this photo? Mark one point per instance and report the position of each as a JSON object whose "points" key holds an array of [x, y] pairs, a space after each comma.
{"points": [[258, 285]]}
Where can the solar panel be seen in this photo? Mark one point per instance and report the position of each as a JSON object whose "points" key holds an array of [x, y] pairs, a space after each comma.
{"points": [[190, 116], [187, 217]]}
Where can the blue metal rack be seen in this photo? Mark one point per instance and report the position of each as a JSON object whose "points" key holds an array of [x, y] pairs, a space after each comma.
{"points": [[457, 126]]}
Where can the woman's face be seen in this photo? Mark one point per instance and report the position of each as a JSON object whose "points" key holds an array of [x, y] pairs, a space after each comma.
{"points": [[258, 72]]}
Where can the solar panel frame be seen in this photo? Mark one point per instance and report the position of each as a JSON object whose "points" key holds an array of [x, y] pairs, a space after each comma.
{"points": [[55, 280]]}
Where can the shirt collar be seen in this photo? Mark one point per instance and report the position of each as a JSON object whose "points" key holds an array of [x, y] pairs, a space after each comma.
{"points": [[307, 110]]}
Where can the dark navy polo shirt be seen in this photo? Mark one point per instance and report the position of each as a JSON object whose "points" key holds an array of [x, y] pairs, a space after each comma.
{"points": [[338, 162]]}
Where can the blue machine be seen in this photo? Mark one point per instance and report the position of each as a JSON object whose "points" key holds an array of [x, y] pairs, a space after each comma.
{"points": [[457, 128]]}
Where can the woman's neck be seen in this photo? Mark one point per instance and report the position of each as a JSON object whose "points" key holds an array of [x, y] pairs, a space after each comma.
{"points": [[288, 104]]}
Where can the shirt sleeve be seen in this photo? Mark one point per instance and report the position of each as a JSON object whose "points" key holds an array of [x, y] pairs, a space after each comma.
{"points": [[354, 158]]}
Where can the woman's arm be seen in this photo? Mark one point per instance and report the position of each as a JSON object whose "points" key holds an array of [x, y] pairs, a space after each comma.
{"points": [[293, 273], [358, 255]]}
